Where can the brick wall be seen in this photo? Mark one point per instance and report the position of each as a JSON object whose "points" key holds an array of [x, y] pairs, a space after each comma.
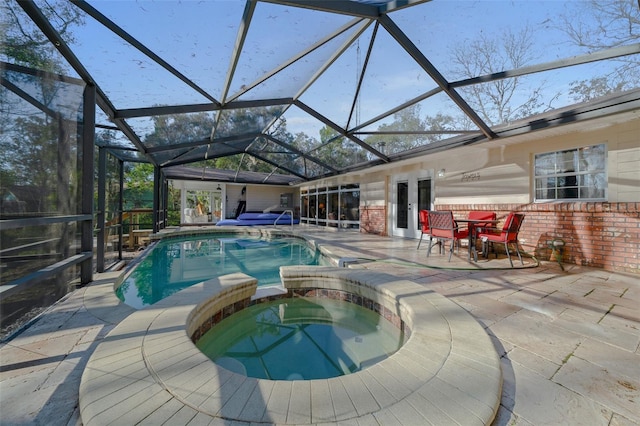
{"points": [[603, 235], [373, 220]]}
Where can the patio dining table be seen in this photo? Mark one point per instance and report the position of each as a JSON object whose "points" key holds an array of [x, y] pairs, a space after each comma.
{"points": [[473, 225]]}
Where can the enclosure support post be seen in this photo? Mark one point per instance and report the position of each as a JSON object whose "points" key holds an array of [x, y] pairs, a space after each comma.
{"points": [[157, 185], [100, 217], [88, 135]]}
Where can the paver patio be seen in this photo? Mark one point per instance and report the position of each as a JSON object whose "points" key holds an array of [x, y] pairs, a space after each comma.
{"points": [[569, 340]]}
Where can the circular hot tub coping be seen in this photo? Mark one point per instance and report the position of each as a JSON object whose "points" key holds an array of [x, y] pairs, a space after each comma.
{"points": [[148, 369]]}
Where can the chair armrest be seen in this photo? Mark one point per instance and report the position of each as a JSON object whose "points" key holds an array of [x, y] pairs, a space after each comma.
{"points": [[489, 232], [487, 228]]}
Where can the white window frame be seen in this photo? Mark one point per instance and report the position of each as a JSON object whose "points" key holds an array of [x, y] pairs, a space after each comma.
{"points": [[313, 196], [588, 179]]}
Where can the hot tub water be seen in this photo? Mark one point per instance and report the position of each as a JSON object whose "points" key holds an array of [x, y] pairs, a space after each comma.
{"points": [[301, 338]]}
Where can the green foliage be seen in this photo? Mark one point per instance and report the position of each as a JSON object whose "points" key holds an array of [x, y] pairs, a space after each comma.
{"points": [[197, 127], [138, 185], [327, 133], [176, 128], [173, 206], [409, 123], [33, 144], [31, 154], [112, 175], [332, 149], [305, 143], [242, 162], [23, 42], [246, 120]]}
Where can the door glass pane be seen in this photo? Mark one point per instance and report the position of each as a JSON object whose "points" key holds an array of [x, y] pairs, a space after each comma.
{"points": [[304, 206], [322, 206], [216, 206], [424, 197], [351, 206], [200, 201], [332, 208], [313, 209], [402, 217]]}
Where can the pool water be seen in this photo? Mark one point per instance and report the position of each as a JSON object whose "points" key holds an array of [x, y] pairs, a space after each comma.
{"points": [[301, 339], [177, 263]]}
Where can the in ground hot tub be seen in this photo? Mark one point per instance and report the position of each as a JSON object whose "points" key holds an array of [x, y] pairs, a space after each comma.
{"points": [[148, 369], [325, 335]]}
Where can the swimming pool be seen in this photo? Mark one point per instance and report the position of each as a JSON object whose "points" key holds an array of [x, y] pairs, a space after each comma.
{"points": [[173, 264], [301, 339]]}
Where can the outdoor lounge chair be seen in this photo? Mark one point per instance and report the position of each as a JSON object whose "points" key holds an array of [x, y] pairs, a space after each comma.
{"points": [[509, 234], [443, 227]]}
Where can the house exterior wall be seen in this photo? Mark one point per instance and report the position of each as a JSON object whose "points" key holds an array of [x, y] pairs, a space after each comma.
{"points": [[258, 197], [498, 176], [265, 197], [599, 234], [232, 196]]}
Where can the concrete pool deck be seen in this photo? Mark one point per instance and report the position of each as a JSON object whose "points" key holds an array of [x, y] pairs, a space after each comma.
{"points": [[568, 340], [148, 370]]}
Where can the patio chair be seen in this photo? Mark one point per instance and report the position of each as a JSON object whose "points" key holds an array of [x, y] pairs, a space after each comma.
{"points": [[480, 215], [475, 225], [443, 227], [423, 217], [509, 234], [475, 228]]}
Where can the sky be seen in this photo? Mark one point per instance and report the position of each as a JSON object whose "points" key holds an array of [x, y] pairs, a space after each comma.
{"points": [[197, 37]]}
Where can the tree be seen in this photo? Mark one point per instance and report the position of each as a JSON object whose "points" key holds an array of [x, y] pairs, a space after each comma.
{"points": [[36, 145], [406, 120], [597, 25], [499, 101], [595, 87], [112, 175], [246, 120], [243, 162], [33, 160], [138, 184], [176, 128], [411, 125], [338, 151], [305, 143], [24, 44], [441, 122]]}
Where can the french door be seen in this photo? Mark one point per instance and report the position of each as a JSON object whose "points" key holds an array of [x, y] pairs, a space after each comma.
{"points": [[410, 194]]}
